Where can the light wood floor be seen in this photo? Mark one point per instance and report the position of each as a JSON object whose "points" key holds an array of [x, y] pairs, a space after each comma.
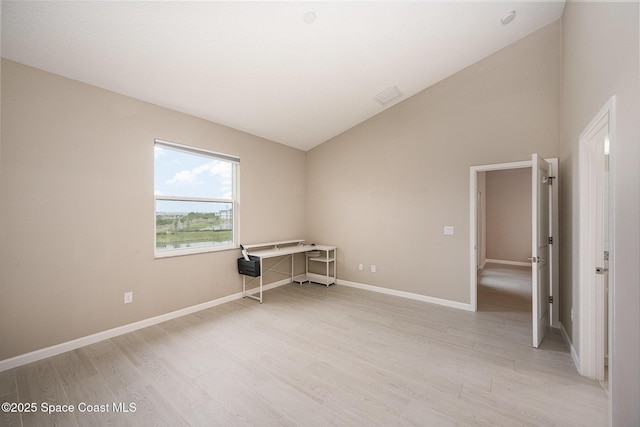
{"points": [[316, 356], [505, 290]]}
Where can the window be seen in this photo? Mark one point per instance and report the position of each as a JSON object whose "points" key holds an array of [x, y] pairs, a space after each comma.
{"points": [[196, 198]]}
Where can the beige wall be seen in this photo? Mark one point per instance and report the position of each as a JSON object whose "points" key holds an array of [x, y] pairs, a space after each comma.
{"points": [[77, 209], [601, 59], [384, 190], [508, 215]]}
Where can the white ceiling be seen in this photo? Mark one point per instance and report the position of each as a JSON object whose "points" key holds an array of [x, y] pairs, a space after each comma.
{"points": [[258, 66]]}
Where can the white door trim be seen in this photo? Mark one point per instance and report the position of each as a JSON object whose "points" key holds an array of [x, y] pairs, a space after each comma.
{"points": [[591, 298], [473, 277]]}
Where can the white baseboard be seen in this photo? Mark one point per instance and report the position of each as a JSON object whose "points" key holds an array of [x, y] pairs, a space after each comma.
{"points": [[574, 353], [410, 295], [502, 261], [43, 353]]}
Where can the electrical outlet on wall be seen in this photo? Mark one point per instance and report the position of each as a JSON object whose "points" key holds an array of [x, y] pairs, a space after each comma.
{"points": [[373, 268], [128, 297], [360, 267]]}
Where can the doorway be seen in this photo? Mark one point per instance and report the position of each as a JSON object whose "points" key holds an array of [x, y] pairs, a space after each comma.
{"points": [[504, 243], [550, 260]]}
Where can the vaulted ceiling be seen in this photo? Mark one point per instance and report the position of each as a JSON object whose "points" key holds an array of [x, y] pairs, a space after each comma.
{"points": [[298, 73]]}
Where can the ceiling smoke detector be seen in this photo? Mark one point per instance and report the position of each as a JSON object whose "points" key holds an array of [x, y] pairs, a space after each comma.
{"points": [[309, 17], [506, 19], [388, 95]]}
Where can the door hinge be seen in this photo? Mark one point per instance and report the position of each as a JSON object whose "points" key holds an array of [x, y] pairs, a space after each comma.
{"points": [[550, 300], [550, 240], [551, 178]]}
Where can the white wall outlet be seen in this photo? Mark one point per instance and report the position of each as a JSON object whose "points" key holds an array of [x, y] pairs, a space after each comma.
{"points": [[571, 314], [128, 297], [360, 267], [448, 230], [373, 268]]}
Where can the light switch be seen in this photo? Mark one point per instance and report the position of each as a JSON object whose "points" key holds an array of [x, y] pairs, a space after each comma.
{"points": [[448, 230]]}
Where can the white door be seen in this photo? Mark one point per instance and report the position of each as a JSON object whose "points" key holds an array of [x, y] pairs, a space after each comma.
{"points": [[540, 247], [595, 241], [601, 246]]}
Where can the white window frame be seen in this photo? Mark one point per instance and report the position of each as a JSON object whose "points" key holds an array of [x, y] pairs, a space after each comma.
{"points": [[235, 201]]}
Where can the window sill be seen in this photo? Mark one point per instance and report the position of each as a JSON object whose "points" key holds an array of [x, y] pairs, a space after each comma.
{"points": [[192, 251]]}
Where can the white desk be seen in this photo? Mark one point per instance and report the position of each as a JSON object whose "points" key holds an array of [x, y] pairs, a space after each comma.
{"points": [[327, 255]]}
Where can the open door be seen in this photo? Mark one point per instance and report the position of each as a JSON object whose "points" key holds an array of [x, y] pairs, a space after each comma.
{"points": [[540, 260]]}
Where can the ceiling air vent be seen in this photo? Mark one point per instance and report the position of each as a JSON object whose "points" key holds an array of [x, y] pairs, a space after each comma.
{"points": [[388, 95]]}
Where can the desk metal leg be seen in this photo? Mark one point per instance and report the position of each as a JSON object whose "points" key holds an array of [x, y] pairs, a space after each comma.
{"points": [[261, 265], [244, 288], [335, 264], [327, 269]]}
